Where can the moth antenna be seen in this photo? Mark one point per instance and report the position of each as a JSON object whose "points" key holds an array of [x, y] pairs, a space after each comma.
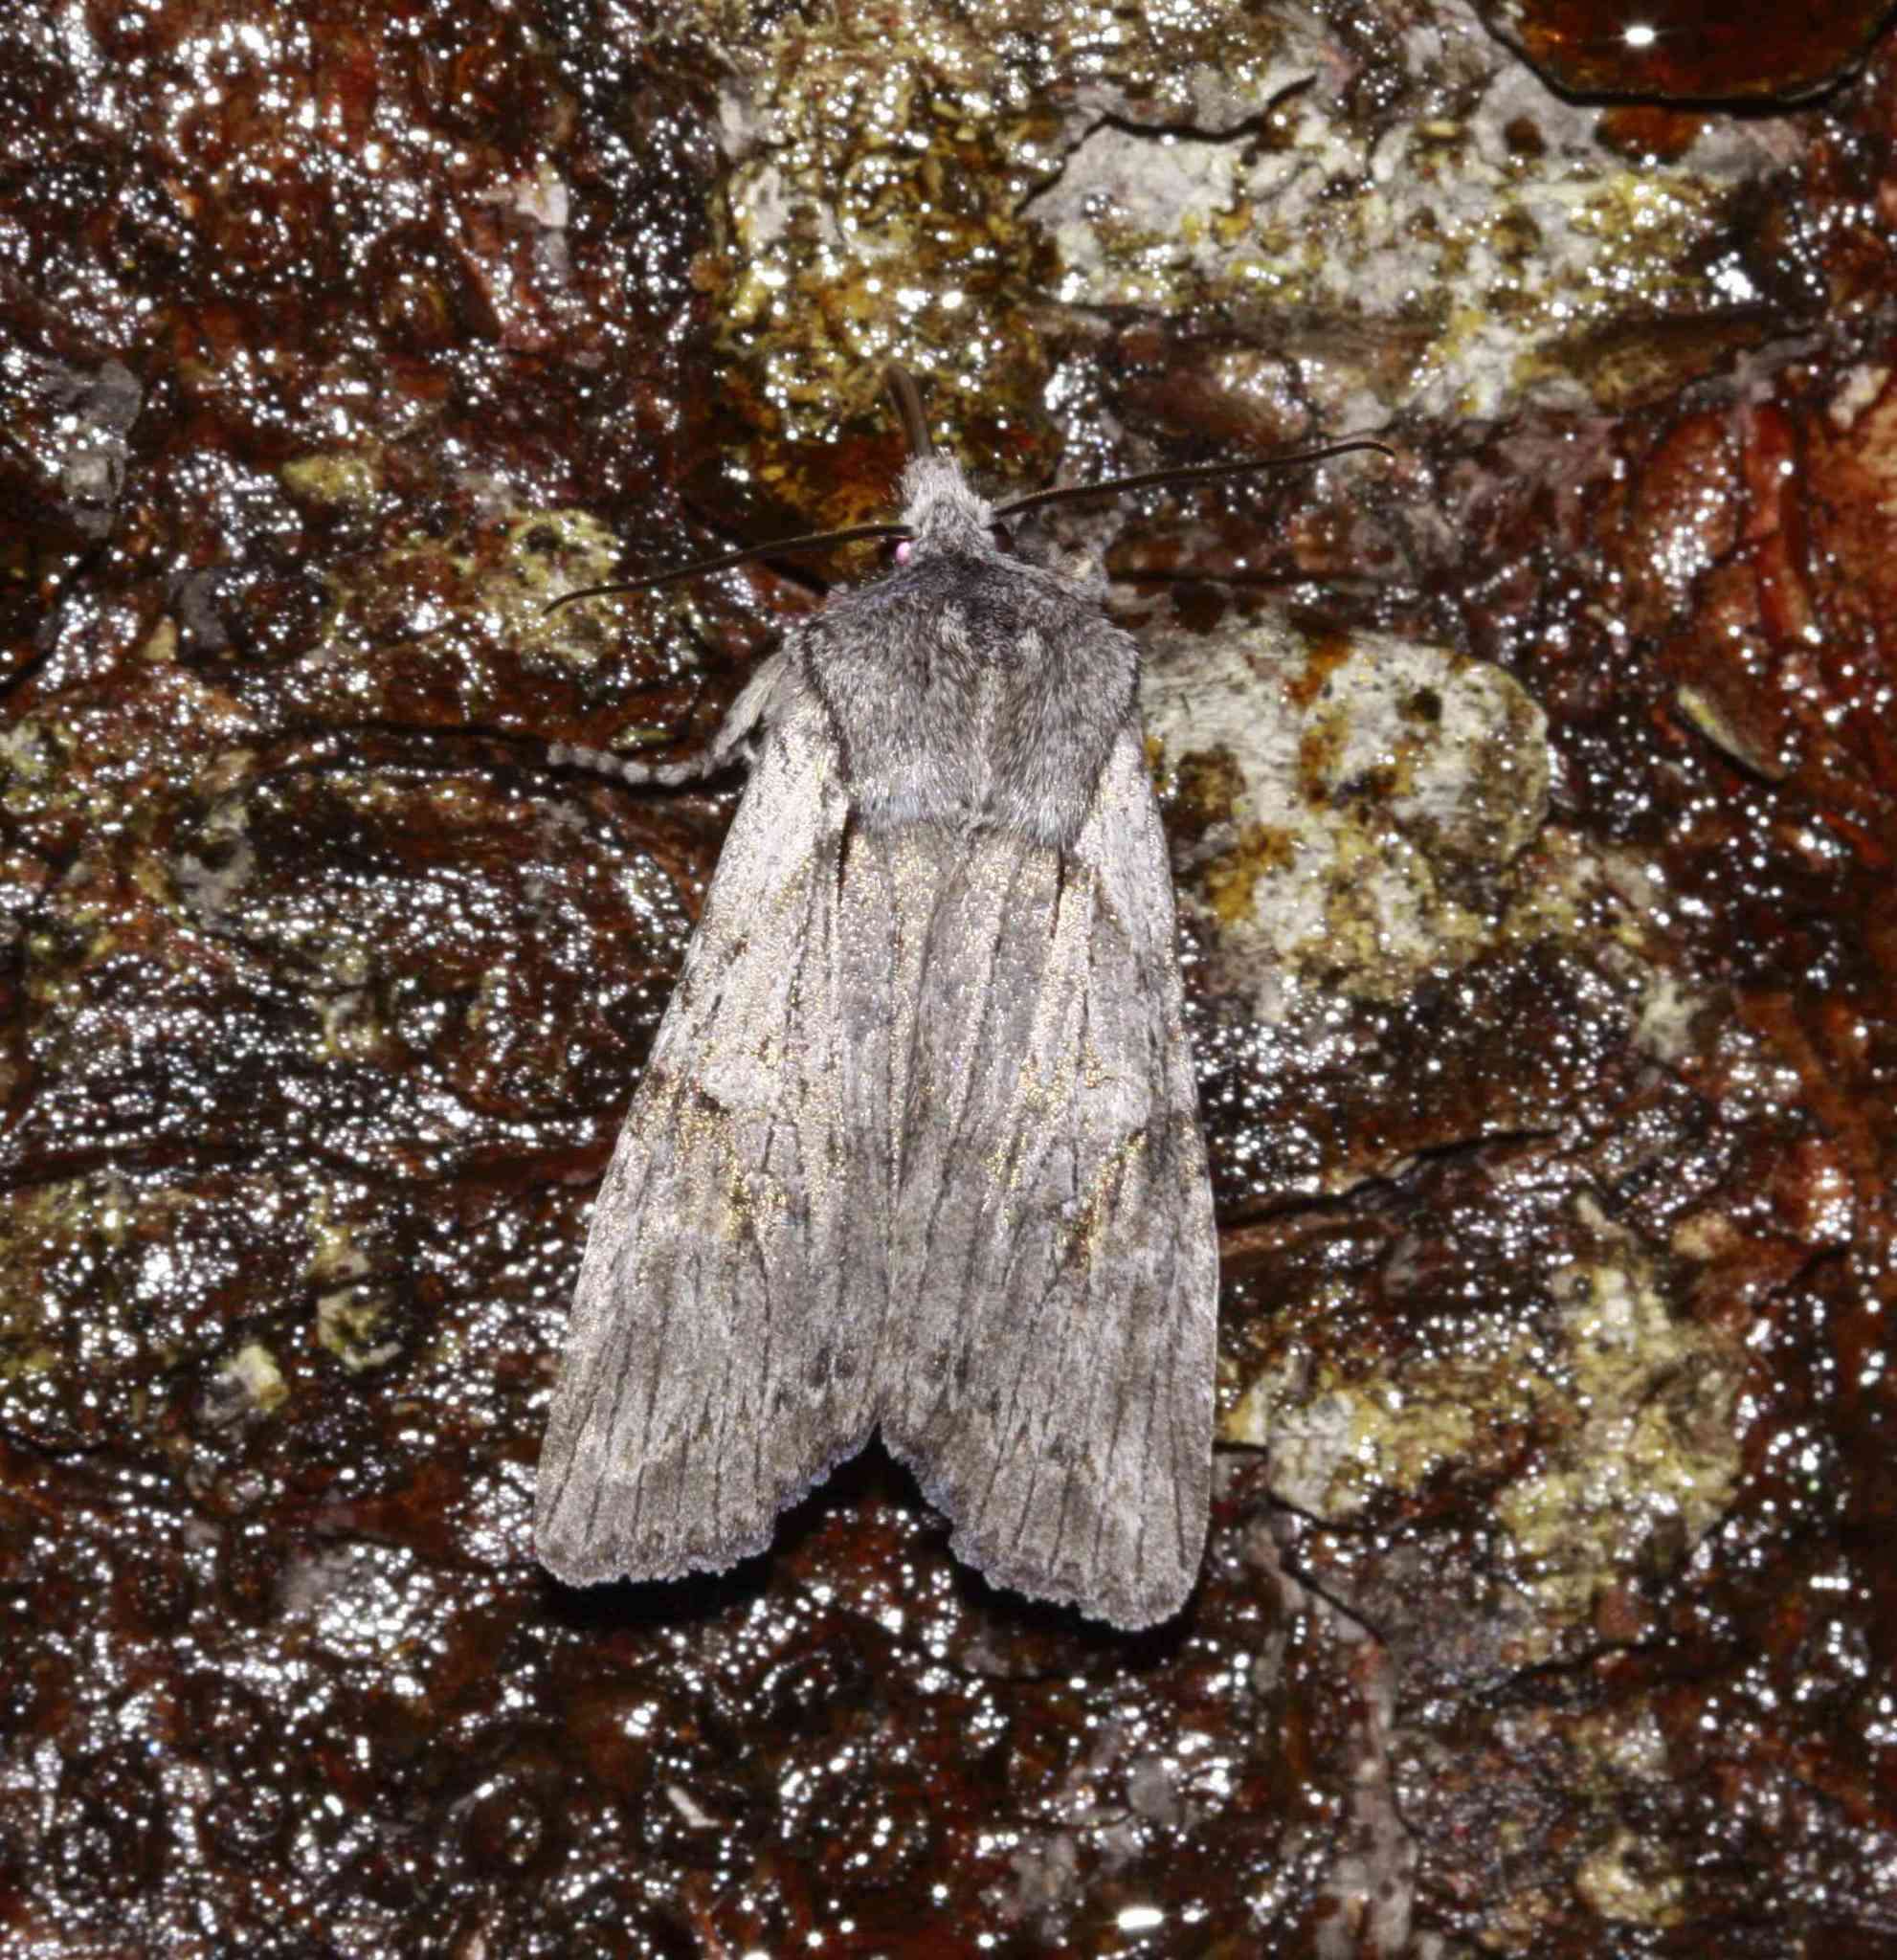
{"points": [[1192, 472], [908, 397], [811, 541]]}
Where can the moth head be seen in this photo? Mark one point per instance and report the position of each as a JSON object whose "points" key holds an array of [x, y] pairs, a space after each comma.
{"points": [[940, 512]]}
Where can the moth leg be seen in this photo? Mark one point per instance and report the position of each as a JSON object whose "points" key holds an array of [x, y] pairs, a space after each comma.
{"points": [[736, 740]]}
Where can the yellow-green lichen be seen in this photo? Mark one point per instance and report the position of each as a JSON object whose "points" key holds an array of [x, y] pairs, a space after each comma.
{"points": [[250, 1379], [347, 479], [1630, 1405], [347, 1323], [1633, 1878], [1230, 879]]}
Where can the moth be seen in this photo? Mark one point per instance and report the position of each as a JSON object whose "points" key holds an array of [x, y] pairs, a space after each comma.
{"points": [[917, 1149]]}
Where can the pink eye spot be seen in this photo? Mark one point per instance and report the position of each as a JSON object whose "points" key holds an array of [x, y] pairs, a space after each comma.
{"points": [[903, 553]]}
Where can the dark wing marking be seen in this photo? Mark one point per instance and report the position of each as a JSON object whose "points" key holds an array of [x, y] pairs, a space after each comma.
{"points": [[722, 1353], [1048, 1372]]}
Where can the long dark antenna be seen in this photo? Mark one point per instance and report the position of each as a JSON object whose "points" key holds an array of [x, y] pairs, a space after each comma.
{"points": [[1190, 473], [725, 560], [908, 397]]}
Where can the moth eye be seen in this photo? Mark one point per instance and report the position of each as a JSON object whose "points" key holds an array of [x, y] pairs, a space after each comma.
{"points": [[1004, 538], [900, 550]]}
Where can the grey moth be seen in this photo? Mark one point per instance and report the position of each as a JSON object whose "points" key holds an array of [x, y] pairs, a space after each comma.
{"points": [[917, 1149]]}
